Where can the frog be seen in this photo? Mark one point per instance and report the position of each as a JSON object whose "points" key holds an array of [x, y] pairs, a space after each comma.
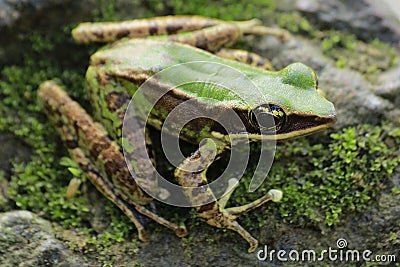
{"points": [[139, 49]]}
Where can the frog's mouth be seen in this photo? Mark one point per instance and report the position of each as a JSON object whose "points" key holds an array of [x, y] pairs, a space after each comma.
{"points": [[296, 126], [300, 125]]}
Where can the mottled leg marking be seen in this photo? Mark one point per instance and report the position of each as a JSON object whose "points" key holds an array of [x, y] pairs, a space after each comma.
{"points": [[206, 33], [215, 212], [244, 56], [106, 188], [255, 27], [139, 28], [78, 129], [225, 34], [211, 39]]}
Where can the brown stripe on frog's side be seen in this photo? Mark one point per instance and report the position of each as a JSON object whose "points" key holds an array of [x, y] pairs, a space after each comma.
{"points": [[139, 28], [111, 114], [109, 100], [117, 103], [116, 100], [243, 56], [211, 38]]}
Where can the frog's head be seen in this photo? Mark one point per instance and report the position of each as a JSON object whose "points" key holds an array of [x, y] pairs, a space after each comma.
{"points": [[294, 103]]}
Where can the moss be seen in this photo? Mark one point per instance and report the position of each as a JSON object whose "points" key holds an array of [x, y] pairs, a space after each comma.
{"points": [[3, 196], [108, 245], [226, 9], [40, 183], [295, 23], [106, 10], [349, 52], [31, 184], [395, 190], [37, 185], [322, 183], [344, 48]]}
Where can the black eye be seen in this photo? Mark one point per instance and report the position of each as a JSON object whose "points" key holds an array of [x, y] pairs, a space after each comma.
{"points": [[268, 117]]}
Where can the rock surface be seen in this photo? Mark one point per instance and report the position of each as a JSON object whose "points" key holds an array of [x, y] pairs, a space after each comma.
{"points": [[28, 240], [365, 18]]}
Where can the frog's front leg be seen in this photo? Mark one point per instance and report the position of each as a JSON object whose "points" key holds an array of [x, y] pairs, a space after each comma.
{"points": [[98, 156], [215, 213]]}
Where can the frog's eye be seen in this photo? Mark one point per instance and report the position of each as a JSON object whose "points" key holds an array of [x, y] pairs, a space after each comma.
{"points": [[268, 117]]}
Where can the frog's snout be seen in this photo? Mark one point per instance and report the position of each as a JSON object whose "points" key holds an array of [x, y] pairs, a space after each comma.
{"points": [[328, 120]]}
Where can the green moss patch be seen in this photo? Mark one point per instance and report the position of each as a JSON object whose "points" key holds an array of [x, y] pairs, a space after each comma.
{"points": [[322, 183], [344, 48], [349, 52]]}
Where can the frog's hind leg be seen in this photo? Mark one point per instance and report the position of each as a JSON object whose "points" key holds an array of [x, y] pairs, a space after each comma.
{"points": [[214, 211], [106, 189], [226, 34], [272, 195], [139, 28], [255, 27], [206, 33], [247, 57], [99, 157]]}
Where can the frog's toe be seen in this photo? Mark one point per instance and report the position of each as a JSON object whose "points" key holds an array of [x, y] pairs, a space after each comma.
{"points": [[275, 194], [235, 226], [142, 235], [253, 246], [181, 231]]}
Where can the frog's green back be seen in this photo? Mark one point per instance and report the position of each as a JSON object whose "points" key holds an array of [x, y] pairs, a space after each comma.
{"points": [[293, 88]]}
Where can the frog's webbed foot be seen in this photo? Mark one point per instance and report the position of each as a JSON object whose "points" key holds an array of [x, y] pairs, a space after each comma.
{"points": [[98, 157], [215, 213]]}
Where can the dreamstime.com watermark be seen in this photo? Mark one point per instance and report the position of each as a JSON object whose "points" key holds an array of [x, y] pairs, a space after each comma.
{"points": [[339, 253]]}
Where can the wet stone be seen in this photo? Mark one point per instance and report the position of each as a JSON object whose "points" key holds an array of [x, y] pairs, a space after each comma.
{"points": [[28, 240]]}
